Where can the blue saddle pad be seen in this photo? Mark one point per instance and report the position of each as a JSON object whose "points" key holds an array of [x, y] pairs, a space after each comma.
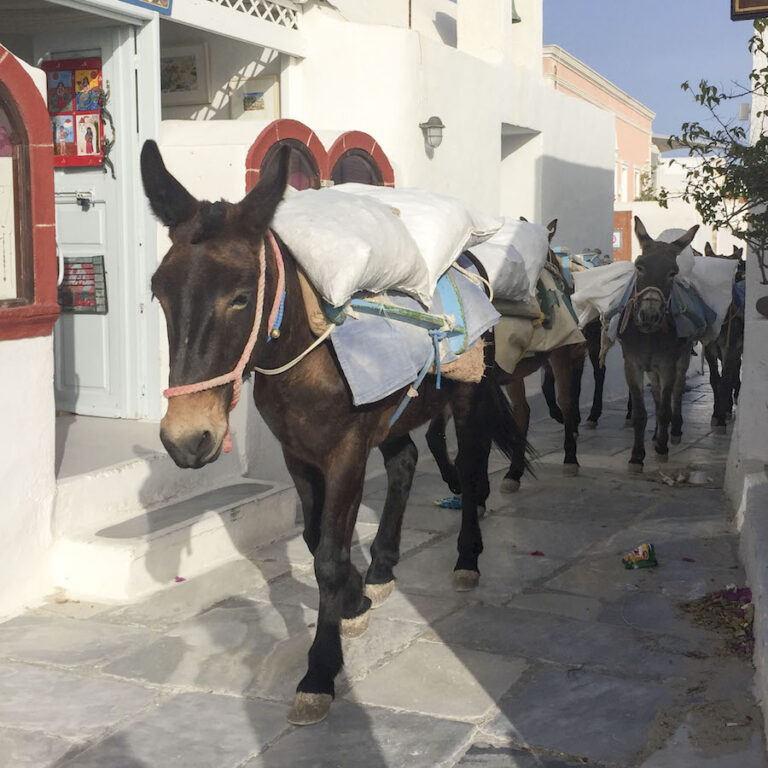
{"points": [[379, 355], [692, 315]]}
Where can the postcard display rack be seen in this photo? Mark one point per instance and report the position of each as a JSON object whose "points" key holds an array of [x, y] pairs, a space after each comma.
{"points": [[74, 90]]}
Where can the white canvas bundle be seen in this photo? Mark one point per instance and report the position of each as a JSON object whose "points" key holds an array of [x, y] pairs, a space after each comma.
{"points": [[442, 226], [514, 258], [348, 243], [599, 290], [713, 279]]}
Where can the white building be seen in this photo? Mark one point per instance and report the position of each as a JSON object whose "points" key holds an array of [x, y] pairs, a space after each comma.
{"points": [[347, 84]]}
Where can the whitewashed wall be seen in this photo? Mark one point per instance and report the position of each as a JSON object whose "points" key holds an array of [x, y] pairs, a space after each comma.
{"points": [[27, 414], [678, 215], [27, 457]]}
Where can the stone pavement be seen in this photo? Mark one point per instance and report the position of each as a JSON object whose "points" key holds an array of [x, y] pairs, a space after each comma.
{"points": [[560, 658]]}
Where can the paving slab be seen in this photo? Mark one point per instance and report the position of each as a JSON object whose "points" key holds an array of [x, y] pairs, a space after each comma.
{"points": [[534, 635], [370, 736], [68, 642], [66, 705], [189, 731], [492, 756], [547, 708], [439, 680], [220, 650], [572, 606], [26, 749]]}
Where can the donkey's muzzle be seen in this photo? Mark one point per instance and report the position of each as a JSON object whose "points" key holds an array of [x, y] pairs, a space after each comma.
{"points": [[193, 450], [194, 427], [650, 311]]}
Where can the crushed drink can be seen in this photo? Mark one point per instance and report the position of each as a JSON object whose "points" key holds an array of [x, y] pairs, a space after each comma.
{"points": [[642, 556]]}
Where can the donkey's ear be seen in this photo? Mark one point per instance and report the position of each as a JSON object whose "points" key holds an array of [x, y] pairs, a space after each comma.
{"points": [[685, 240], [170, 202], [737, 252], [642, 233], [522, 218], [258, 207], [708, 250], [551, 228]]}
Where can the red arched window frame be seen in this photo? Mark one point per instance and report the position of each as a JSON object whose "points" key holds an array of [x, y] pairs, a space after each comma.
{"points": [[276, 131], [366, 143], [35, 317]]}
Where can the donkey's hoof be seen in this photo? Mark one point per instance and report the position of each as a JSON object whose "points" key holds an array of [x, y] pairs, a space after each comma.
{"points": [[570, 470], [675, 439], [309, 708], [464, 581], [720, 429], [627, 422], [662, 458], [634, 469], [378, 593], [589, 424], [713, 421], [357, 625], [510, 485]]}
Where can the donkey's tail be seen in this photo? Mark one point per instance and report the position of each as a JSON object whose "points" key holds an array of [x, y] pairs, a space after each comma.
{"points": [[497, 415]]}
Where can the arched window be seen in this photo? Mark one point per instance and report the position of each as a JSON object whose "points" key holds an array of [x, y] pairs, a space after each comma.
{"points": [[357, 156], [303, 172], [16, 274], [358, 166], [28, 301]]}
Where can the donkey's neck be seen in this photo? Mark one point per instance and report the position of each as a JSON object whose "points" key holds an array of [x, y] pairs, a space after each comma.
{"points": [[294, 332]]}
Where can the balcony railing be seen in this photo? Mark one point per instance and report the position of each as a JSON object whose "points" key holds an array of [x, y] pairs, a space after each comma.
{"points": [[282, 12]]}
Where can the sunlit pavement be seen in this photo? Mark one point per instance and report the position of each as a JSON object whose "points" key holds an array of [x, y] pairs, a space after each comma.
{"points": [[561, 657]]}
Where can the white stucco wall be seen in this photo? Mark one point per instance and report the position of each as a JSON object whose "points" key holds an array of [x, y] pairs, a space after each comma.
{"points": [[678, 215], [26, 471], [27, 456]]}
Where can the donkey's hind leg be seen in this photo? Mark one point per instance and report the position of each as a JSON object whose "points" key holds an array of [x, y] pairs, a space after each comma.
{"points": [[522, 414], [568, 363], [400, 455], [472, 463], [548, 390], [438, 446], [716, 382]]}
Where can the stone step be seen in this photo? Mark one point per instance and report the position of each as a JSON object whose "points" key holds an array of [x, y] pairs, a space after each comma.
{"points": [[151, 550], [110, 495]]}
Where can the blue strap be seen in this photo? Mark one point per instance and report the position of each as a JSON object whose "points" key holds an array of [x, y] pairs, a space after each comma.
{"points": [[416, 384], [278, 318]]}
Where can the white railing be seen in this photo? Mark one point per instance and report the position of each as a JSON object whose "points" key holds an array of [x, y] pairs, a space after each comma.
{"points": [[282, 12]]}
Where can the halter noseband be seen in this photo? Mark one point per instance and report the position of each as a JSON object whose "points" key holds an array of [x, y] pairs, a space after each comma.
{"points": [[236, 374], [633, 304]]}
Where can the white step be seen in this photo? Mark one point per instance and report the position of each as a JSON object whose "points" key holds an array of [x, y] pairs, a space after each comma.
{"points": [[109, 495], [151, 550]]}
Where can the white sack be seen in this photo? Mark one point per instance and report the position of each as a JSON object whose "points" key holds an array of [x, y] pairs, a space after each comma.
{"points": [[349, 243], [514, 258], [599, 290], [442, 226], [713, 279]]}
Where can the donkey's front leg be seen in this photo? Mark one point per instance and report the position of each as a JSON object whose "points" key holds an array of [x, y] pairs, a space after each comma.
{"points": [[634, 376], [566, 366], [663, 416], [339, 583]]}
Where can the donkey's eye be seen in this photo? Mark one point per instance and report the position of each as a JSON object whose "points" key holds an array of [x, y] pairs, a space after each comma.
{"points": [[240, 301], [640, 268], [673, 273]]}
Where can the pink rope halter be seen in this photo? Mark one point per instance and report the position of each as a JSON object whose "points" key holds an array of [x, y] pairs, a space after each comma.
{"points": [[236, 374]]}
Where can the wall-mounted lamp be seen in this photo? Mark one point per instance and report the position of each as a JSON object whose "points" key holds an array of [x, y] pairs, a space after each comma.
{"points": [[433, 131], [515, 15]]}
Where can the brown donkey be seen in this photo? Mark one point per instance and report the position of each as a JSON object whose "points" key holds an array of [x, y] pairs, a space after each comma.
{"points": [[223, 268]]}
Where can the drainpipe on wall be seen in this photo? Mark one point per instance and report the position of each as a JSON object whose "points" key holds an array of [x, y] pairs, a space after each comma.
{"points": [[410, 13]]}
